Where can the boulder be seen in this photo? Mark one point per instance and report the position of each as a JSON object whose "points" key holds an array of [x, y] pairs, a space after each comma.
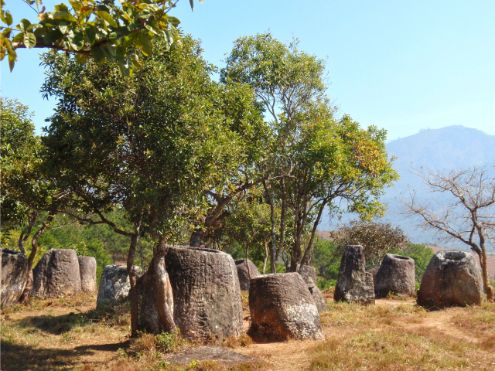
{"points": [[206, 291], [396, 275], [354, 283], [87, 270], [452, 278], [57, 274], [245, 271], [282, 308], [114, 286], [308, 273], [15, 272]]}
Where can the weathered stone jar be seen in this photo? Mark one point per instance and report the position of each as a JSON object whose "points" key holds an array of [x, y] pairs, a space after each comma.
{"points": [[206, 293], [87, 270], [14, 276], [308, 273], [57, 274], [354, 283], [282, 308], [396, 275], [245, 271], [114, 287], [452, 278]]}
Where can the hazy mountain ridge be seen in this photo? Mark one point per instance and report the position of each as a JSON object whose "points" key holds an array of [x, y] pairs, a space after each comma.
{"points": [[432, 151]]}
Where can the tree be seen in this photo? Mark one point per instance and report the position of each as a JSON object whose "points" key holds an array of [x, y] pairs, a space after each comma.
{"points": [[377, 239], [248, 226], [28, 196], [120, 31], [314, 160], [249, 135], [284, 81], [470, 218], [152, 143]]}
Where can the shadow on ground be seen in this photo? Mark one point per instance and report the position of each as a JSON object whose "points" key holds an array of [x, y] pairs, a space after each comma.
{"points": [[59, 324], [23, 357]]}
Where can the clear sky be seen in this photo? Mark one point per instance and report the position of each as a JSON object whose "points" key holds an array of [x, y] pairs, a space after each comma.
{"points": [[401, 65]]}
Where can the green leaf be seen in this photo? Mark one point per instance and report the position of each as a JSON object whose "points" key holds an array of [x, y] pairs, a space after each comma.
{"points": [[24, 25], [29, 40], [107, 18], [12, 58], [143, 41], [7, 18]]}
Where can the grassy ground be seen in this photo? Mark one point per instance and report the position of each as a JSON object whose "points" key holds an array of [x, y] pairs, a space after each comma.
{"points": [[393, 334]]}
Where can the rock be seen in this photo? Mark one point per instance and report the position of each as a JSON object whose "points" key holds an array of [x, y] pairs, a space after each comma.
{"points": [[245, 271], [222, 355], [282, 308], [354, 284], [87, 270], [114, 286], [152, 301], [396, 275], [15, 272], [308, 273], [373, 272], [207, 297], [452, 278], [57, 274], [318, 297]]}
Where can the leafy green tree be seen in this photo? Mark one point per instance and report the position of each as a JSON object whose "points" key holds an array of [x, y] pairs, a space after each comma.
{"points": [[248, 138], [121, 31], [152, 143], [29, 199], [315, 161], [248, 227]]}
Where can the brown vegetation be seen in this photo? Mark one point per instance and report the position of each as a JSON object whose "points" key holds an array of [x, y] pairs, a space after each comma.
{"points": [[393, 334]]}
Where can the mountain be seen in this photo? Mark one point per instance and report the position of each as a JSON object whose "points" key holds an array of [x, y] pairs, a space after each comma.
{"points": [[432, 151], [429, 151]]}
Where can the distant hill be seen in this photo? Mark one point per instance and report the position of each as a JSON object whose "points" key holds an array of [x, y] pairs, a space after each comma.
{"points": [[432, 150]]}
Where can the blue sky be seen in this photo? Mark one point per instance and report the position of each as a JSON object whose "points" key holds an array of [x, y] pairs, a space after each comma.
{"points": [[401, 65]]}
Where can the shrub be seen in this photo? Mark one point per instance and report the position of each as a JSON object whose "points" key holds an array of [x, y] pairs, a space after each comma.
{"points": [[377, 239]]}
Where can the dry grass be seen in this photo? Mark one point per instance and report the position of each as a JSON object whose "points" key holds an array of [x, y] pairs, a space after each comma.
{"points": [[400, 335], [393, 334]]}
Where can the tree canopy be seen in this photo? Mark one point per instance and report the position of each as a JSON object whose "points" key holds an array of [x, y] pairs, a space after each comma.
{"points": [[314, 159], [120, 31]]}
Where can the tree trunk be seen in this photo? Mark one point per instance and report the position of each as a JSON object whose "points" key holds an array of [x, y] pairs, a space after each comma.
{"points": [[273, 245], [132, 281], [484, 273], [197, 237], [283, 213], [296, 247], [266, 256], [306, 260], [152, 305], [34, 250]]}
